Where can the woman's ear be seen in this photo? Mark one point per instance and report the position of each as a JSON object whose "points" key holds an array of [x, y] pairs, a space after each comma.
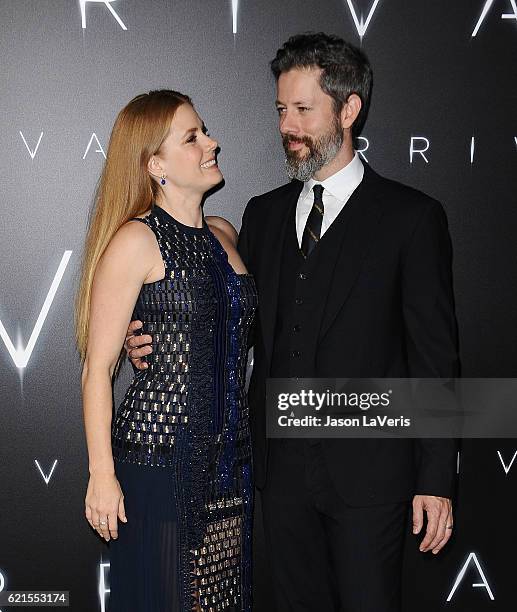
{"points": [[153, 165]]}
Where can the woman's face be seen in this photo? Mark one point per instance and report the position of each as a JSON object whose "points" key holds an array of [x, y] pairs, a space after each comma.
{"points": [[187, 155]]}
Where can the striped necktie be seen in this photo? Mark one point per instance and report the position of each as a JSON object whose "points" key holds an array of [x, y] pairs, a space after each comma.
{"points": [[312, 231]]}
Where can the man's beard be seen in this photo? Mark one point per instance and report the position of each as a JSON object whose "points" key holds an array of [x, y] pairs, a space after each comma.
{"points": [[321, 152]]}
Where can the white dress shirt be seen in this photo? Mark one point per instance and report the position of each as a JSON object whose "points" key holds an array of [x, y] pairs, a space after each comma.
{"points": [[337, 190]]}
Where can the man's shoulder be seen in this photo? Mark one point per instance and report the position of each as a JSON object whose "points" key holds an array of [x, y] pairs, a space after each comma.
{"points": [[276, 195], [403, 193], [401, 200], [281, 190]]}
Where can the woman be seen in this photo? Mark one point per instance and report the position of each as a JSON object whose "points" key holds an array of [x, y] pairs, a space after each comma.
{"points": [[176, 457]]}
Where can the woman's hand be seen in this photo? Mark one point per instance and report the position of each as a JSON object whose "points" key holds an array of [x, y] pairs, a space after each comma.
{"points": [[104, 503]]}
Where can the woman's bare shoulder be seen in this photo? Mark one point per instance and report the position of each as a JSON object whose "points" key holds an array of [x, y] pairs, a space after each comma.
{"points": [[132, 241], [224, 226], [227, 236]]}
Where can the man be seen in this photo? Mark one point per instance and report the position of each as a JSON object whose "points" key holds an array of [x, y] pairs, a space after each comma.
{"points": [[354, 278]]}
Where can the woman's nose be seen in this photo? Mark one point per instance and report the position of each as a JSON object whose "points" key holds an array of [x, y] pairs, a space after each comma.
{"points": [[213, 144]]}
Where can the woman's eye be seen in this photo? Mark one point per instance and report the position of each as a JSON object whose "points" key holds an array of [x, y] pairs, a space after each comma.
{"points": [[192, 139]]}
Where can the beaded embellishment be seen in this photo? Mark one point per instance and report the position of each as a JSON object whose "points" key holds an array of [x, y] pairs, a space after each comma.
{"points": [[188, 412]]}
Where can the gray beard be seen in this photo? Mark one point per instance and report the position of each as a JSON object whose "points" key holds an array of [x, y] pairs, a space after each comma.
{"points": [[325, 150]]}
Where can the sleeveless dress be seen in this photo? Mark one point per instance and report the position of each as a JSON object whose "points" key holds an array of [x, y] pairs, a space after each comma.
{"points": [[181, 439]]}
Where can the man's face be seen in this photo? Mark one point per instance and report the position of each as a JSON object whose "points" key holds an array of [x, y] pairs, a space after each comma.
{"points": [[311, 132]]}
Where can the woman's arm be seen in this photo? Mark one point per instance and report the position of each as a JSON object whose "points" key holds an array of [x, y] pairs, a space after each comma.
{"points": [[124, 266]]}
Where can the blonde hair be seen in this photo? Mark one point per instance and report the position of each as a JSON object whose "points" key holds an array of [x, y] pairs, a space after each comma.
{"points": [[125, 188]]}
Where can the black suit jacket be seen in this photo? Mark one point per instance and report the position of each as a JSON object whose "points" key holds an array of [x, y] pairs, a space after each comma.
{"points": [[389, 313]]}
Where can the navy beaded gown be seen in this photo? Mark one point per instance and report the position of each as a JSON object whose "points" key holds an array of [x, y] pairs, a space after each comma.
{"points": [[181, 439]]}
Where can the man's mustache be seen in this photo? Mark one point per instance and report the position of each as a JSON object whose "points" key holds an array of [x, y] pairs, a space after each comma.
{"points": [[306, 140]]}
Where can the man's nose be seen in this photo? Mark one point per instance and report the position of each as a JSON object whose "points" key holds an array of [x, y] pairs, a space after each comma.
{"points": [[288, 124]]}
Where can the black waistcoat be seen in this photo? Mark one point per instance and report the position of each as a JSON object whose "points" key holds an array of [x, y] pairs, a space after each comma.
{"points": [[302, 292]]}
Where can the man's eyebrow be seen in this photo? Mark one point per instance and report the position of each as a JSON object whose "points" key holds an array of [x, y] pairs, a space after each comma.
{"points": [[297, 103]]}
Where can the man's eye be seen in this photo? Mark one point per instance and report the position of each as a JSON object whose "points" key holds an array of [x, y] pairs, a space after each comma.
{"points": [[280, 110], [303, 108]]}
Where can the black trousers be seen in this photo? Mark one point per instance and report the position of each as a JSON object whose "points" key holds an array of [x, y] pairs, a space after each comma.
{"points": [[325, 555]]}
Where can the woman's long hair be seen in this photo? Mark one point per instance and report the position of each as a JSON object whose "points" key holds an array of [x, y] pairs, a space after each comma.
{"points": [[125, 188]]}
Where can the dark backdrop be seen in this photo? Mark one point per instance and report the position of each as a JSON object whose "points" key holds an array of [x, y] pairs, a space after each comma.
{"points": [[61, 88]]}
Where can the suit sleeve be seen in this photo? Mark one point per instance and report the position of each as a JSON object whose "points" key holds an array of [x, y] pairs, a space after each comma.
{"points": [[243, 246], [431, 335]]}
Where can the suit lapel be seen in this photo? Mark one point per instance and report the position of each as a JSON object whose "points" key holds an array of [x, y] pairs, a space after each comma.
{"points": [[274, 229], [361, 222]]}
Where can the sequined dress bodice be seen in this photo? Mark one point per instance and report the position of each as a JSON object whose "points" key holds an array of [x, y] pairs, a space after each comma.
{"points": [[187, 411]]}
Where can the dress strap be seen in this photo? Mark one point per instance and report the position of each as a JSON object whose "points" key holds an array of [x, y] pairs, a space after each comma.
{"points": [[138, 219]]}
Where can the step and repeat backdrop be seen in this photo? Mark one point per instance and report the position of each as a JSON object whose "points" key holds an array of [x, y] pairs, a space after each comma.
{"points": [[442, 119]]}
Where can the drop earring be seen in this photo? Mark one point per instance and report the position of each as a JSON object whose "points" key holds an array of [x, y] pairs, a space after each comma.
{"points": [[162, 180]]}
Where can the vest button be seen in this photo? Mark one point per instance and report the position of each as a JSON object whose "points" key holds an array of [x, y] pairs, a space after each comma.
{"points": [[295, 353], [298, 301], [296, 328], [302, 276]]}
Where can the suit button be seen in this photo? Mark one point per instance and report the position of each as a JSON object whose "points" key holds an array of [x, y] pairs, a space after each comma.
{"points": [[296, 328], [298, 301], [302, 276], [295, 353]]}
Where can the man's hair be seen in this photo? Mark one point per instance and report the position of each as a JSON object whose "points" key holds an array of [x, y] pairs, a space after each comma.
{"points": [[345, 68]]}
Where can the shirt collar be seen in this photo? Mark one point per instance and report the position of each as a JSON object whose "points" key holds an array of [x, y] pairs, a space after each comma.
{"points": [[340, 184]]}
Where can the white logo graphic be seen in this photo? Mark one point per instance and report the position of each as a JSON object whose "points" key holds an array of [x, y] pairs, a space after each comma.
{"points": [[487, 6], [21, 355], [108, 5], [99, 150], [413, 150], [2, 583], [102, 585], [46, 478], [360, 24], [365, 148], [235, 8], [508, 467], [484, 584], [32, 153]]}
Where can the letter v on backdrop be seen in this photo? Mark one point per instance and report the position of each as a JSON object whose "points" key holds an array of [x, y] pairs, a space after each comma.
{"points": [[359, 23], [21, 355]]}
